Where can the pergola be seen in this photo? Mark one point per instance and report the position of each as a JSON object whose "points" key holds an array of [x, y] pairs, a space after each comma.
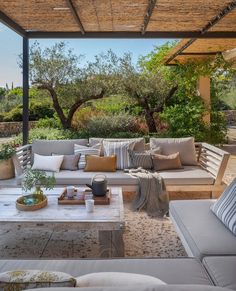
{"points": [[195, 21]]}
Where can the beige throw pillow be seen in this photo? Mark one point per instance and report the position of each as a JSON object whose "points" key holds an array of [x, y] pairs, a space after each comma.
{"points": [[161, 162], [114, 279], [185, 146]]}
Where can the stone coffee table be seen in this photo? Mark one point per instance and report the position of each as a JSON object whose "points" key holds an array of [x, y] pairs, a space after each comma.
{"points": [[108, 220]]}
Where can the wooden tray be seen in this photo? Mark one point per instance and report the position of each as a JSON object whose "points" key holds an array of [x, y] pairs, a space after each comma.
{"points": [[104, 200]]}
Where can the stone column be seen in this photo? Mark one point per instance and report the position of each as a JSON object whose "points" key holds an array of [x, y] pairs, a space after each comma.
{"points": [[204, 89]]}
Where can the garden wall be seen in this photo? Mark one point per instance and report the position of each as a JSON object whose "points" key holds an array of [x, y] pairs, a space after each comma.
{"points": [[11, 128], [230, 116]]}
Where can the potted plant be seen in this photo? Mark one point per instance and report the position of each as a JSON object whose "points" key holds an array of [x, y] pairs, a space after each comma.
{"points": [[34, 180], [7, 170]]}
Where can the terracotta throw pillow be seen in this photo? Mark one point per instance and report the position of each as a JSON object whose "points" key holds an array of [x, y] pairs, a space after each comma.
{"points": [[170, 162], [100, 164]]}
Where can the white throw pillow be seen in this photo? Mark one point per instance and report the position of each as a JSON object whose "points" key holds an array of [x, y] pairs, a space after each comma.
{"points": [[47, 163], [83, 150], [120, 149], [110, 279]]}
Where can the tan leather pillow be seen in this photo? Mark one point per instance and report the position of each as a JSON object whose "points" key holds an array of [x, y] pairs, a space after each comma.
{"points": [[161, 162], [100, 164]]}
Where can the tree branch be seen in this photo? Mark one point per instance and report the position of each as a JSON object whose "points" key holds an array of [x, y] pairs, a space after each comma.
{"points": [[167, 98], [77, 104]]}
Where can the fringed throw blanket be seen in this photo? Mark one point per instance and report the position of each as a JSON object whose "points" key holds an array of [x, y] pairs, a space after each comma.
{"points": [[152, 194]]}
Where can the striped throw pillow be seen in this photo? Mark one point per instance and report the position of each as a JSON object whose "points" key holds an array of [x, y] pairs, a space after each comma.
{"points": [[83, 150], [120, 149], [225, 207], [143, 159]]}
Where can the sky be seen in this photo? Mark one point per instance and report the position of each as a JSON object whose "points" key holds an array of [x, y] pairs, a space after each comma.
{"points": [[11, 48]]}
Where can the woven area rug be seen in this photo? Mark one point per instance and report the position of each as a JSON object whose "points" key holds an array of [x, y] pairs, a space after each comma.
{"points": [[143, 237]]}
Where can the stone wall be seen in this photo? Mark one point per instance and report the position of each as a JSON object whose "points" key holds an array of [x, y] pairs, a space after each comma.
{"points": [[230, 116], [12, 128]]}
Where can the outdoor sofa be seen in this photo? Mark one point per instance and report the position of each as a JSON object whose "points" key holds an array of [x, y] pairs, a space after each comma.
{"points": [[188, 273], [205, 175], [208, 238]]}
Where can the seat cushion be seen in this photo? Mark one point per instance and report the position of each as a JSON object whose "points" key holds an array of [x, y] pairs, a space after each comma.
{"points": [[204, 234], [81, 178], [61, 147], [190, 175], [222, 270], [171, 271]]}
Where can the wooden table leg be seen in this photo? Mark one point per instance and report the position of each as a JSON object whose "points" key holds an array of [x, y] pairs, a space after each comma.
{"points": [[111, 243]]}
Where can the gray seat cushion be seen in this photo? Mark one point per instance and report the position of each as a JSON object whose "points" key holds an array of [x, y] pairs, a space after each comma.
{"points": [[171, 271], [204, 234], [222, 270], [140, 288], [190, 175]]}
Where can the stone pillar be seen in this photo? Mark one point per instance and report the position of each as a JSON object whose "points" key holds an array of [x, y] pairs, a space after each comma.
{"points": [[204, 89]]}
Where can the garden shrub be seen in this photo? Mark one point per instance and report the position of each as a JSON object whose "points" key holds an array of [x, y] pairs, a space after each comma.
{"points": [[111, 125], [37, 110], [52, 122], [187, 120], [50, 133]]}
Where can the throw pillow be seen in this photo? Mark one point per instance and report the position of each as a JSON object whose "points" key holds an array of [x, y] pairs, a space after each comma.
{"points": [[114, 279], [70, 162], [47, 163], [142, 159], [161, 162], [225, 207], [120, 149], [27, 279], [185, 147], [100, 164], [84, 150], [139, 142]]}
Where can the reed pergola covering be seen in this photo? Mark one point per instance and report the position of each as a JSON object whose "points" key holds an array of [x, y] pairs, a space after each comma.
{"points": [[207, 26], [123, 18]]}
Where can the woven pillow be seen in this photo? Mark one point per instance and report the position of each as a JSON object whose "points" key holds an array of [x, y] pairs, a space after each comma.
{"points": [[70, 162], [120, 150], [114, 279], [225, 207], [143, 159], [171, 162], [83, 150], [29, 279]]}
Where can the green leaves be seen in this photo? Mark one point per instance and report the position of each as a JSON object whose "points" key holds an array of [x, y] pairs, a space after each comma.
{"points": [[7, 150], [33, 178]]}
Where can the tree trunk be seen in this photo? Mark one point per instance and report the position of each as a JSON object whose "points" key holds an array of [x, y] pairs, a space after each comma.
{"points": [[150, 121]]}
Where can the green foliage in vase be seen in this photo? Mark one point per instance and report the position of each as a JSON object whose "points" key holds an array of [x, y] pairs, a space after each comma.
{"points": [[7, 150], [37, 178]]}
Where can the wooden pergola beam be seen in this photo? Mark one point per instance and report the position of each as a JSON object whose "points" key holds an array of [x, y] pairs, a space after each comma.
{"points": [[205, 29], [131, 34], [75, 15], [12, 24], [148, 14]]}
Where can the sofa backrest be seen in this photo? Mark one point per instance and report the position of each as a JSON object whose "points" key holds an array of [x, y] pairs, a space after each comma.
{"points": [[63, 147]]}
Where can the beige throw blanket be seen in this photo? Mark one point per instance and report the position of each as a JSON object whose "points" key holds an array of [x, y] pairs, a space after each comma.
{"points": [[152, 194]]}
